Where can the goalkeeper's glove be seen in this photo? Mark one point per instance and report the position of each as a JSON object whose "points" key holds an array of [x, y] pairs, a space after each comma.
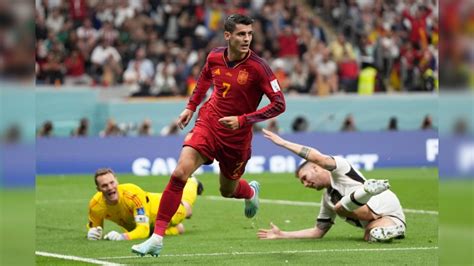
{"points": [[94, 233], [114, 236]]}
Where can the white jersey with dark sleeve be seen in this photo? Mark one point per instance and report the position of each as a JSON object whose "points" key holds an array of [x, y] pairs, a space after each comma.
{"points": [[344, 180]]}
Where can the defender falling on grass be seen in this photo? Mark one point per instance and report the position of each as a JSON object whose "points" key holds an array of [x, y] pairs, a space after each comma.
{"points": [[368, 204], [133, 209], [223, 129]]}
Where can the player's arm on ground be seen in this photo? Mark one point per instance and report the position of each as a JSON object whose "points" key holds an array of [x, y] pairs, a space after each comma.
{"points": [[308, 153], [96, 221], [275, 233], [271, 88]]}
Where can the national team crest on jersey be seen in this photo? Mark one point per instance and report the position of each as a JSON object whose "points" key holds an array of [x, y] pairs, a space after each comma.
{"points": [[140, 211], [242, 77]]}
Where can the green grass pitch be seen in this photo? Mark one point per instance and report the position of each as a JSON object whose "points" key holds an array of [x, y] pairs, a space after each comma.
{"points": [[218, 233]]}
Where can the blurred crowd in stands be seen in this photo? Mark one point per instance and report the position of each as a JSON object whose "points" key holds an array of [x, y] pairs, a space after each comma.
{"points": [[319, 47], [299, 124]]}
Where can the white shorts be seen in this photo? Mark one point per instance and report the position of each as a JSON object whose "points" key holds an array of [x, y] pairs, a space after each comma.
{"points": [[386, 204]]}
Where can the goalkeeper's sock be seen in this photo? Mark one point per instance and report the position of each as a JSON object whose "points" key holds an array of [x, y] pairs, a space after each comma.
{"points": [[243, 190], [169, 204], [356, 199]]}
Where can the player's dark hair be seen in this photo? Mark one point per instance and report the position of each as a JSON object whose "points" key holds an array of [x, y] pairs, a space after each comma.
{"points": [[300, 167], [234, 19], [101, 172]]}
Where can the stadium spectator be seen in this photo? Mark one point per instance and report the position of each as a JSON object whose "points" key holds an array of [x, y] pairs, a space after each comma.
{"points": [[300, 124], [111, 129], [78, 11], [53, 70], [108, 33], [326, 78], [272, 125], [145, 128], [223, 129], [348, 72], [367, 83], [165, 81], [191, 81], [132, 208], [298, 80], [427, 123], [76, 69], [55, 21], [171, 129], [83, 129], [139, 73], [317, 30], [340, 46], [106, 63], [287, 44], [87, 35], [368, 204], [392, 124], [376, 31], [46, 130], [12, 134], [348, 124]]}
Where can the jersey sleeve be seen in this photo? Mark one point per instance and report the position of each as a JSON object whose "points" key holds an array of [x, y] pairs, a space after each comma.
{"points": [[342, 167], [96, 214], [202, 86], [326, 214], [271, 88], [136, 200]]}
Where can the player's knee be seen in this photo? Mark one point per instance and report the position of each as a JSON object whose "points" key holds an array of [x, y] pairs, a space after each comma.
{"points": [[180, 174]]}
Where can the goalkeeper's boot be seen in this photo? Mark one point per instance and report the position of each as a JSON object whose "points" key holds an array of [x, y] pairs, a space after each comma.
{"points": [[385, 234], [251, 205], [152, 246], [376, 186]]}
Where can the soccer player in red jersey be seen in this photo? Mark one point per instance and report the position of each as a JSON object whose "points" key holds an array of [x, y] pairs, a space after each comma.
{"points": [[223, 129]]}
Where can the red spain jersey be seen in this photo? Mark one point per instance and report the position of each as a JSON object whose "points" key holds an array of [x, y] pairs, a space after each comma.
{"points": [[238, 90]]}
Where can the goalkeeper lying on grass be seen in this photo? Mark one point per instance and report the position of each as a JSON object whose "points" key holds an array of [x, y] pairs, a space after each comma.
{"points": [[133, 208], [368, 204]]}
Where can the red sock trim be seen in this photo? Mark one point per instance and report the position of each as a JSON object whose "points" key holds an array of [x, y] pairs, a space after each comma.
{"points": [[243, 190]]}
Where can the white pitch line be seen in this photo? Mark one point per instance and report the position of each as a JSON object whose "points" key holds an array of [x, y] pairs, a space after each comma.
{"points": [[307, 203], [237, 253], [75, 258], [269, 201]]}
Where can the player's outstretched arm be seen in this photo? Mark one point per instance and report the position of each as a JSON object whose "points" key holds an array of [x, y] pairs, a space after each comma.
{"points": [[308, 153], [275, 233], [184, 118]]}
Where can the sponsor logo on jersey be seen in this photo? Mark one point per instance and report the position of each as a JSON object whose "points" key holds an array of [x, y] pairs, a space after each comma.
{"points": [[242, 77]]}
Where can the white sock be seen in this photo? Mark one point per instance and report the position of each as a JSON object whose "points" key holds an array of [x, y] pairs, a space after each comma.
{"points": [[356, 199], [156, 238]]}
